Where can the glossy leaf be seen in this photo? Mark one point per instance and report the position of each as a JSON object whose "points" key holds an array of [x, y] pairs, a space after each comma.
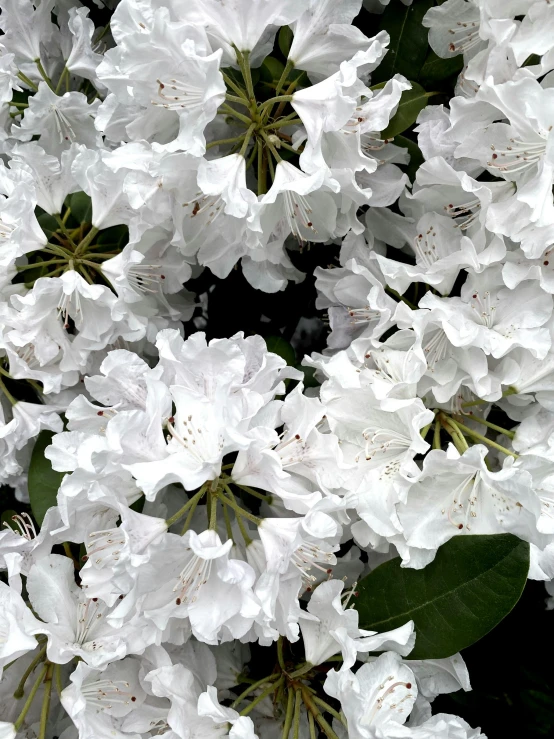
{"points": [[416, 157], [411, 104], [436, 69], [408, 46], [471, 585], [280, 346], [43, 480], [285, 40], [81, 207]]}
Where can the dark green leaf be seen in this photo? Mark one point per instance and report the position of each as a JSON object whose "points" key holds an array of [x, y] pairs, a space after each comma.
{"points": [[280, 346], [416, 157], [271, 69], [43, 480], [411, 104], [471, 585], [408, 46], [81, 207], [436, 69], [48, 224], [285, 40], [6, 519]]}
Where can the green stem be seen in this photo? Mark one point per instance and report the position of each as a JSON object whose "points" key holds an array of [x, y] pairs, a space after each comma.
{"points": [[18, 723], [396, 294], [225, 141], [228, 526], [43, 74], [262, 696], [40, 264], [251, 161], [247, 138], [235, 114], [313, 734], [479, 401], [270, 146], [262, 170], [20, 690], [289, 66], [213, 512], [64, 230], [82, 245], [437, 436], [58, 679], [233, 85], [181, 512], [244, 64], [302, 670], [288, 715], [484, 440], [289, 91], [255, 493], [327, 730], [493, 426], [46, 701], [65, 71], [280, 657], [238, 100], [451, 428], [291, 148], [286, 121], [273, 100], [27, 81], [21, 106], [296, 720], [328, 708], [252, 688], [241, 511], [7, 393]]}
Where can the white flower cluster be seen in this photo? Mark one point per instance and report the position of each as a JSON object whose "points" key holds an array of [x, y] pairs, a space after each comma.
{"points": [[210, 506]]}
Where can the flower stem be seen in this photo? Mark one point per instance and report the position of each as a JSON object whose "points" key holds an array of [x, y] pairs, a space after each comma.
{"points": [[310, 705], [7, 393], [452, 428], [65, 71], [493, 426], [270, 146], [27, 81], [235, 114], [20, 690], [313, 734], [246, 141], [251, 688], [296, 720], [255, 493], [191, 502], [276, 99], [233, 85], [63, 229], [244, 64], [329, 709], [238, 509], [46, 701], [58, 679], [18, 723], [225, 141], [40, 264], [262, 696], [280, 657], [288, 715], [289, 66], [302, 670], [396, 294], [236, 99], [484, 440], [262, 169], [437, 436], [82, 245], [213, 511], [43, 74]]}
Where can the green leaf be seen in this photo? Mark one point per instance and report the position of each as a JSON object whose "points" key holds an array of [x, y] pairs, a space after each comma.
{"points": [[436, 69], [271, 69], [411, 104], [43, 480], [48, 223], [280, 346], [285, 40], [471, 585], [408, 46], [6, 520], [416, 157], [81, 207]]}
